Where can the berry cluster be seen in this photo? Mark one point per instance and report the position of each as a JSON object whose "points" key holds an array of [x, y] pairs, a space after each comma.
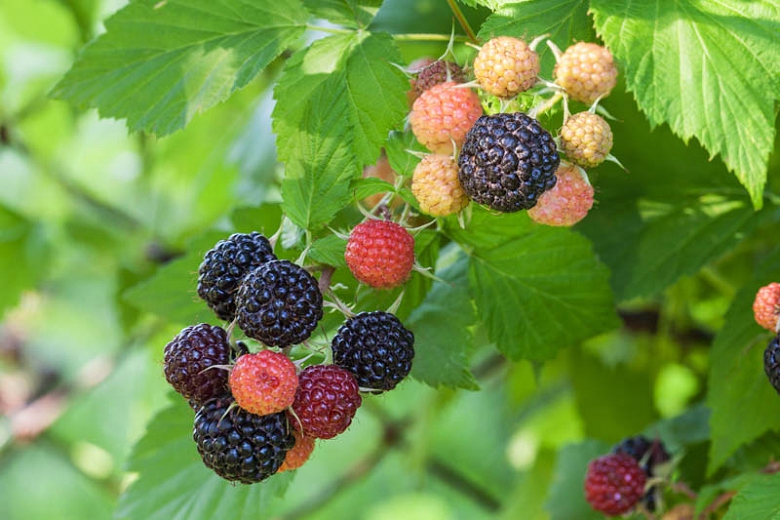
{"points": [[617, 483], [508, 161], [259, 413]]}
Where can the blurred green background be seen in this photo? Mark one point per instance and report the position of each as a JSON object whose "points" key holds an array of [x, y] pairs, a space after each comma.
{"points": [[88, 212]]}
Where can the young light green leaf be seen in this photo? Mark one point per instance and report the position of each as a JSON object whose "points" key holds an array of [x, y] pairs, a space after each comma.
{"points": [[350, 13], [538, 289], [174, 483], [757, 501], [737, 385], [564, 23], [326, 121], [161, 62], [674, 56], [441, 326]]}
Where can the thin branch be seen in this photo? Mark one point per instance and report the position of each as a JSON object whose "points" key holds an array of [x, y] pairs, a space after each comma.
{"points": [[455, 8]]}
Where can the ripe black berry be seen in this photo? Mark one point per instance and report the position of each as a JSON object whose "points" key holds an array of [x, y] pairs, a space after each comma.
{"points": [[190, 354], [225, 266], [376, 348], [507, 162], [772, 362], [240, 446], [648, 455], [279, 303]]}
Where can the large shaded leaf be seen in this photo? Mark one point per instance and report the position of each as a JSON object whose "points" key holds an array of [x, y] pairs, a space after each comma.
{"points": [[710, 70], [757, 501], [538, 289], [441, 326], [160, 63]]}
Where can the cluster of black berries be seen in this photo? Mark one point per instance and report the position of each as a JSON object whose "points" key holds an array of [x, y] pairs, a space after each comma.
{"points": [[244, 430]]}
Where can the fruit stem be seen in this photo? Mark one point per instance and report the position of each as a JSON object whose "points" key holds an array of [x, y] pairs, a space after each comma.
{"points": [[423, 37], [455, 8]]}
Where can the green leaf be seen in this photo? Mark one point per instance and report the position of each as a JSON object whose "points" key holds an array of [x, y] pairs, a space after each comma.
{"points": [[21, 255], [329, 251], [350, 13], [441, 326], [174, 483], [564, 21], [171, 292], [327, 123], [738, 387], [757, 501], [538, 289], [398, 146], [567, 498], [674, 57], [161, 62], [365, 187], [601, 409]]}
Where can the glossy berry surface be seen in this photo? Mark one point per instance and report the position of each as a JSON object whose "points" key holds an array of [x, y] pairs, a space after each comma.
{"points": [[240, 446], [225, 265], [326, 402], [506, 66], [376, 348], [188, 358], [507, 162], [380, 254], [299, 453], [586, 71], [264, 382], [566, 203], [766, 306], [442, 116], [279, 303], [436, 187], [586, 139], [772, 363], [614, 484]]}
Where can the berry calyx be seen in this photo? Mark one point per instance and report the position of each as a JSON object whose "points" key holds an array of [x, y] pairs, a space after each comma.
{"points": [[772, 363], [225, 265], [766, 306], [436, 73], [299, 453], [188, 358], [586, 139], [376, 348], [614, 484], [567, 202], [506, 66], [586, 71], [507, 162], [380, 253], [279, 303], [327, 399], [264, 382], [436, 187], [443, 114], [240, 446]]}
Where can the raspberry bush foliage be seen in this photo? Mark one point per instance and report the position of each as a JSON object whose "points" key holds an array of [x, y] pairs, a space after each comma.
{"points": [[579, 277]]}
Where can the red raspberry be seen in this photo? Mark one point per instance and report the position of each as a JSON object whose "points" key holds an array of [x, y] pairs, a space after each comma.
{"points": [[436, 186], [567, 202], [586, 71], [614, 484], [380, 253], [299, 453], [766, 306], [263, 383], [586, 139], [442, 114], [506, 66], [327, 399]]}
